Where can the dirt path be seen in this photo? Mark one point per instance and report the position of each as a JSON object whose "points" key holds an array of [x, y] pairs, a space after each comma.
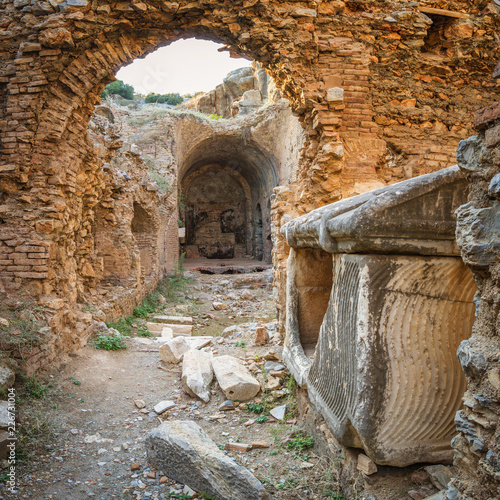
{"points": [[97, 449]]}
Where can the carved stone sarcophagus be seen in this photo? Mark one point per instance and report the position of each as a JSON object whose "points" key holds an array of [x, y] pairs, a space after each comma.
{"points": [[378, 301]]}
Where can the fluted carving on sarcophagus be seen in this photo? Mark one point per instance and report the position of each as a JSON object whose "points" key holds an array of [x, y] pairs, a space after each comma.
{"points": [[383, 371]]}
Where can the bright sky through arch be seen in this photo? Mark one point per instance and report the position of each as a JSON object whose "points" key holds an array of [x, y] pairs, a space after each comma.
{"points": [[184, 67]]}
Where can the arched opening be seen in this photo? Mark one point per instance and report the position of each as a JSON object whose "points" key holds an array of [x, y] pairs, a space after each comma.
{"points": [[215, 215], [222, 178]]}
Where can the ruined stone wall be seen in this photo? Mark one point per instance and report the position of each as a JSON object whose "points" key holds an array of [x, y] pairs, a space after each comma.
{"points": [[477, 452], [382, 94]]}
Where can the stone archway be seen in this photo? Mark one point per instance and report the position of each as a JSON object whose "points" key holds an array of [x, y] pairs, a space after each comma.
{"points": [[223, 177]]}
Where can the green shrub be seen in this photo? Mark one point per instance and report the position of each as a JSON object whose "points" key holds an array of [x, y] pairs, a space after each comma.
{"points": [[172, 99], [300, 442], [123, 325], [35, 389], [119, 88], [142, 331], [109, 342], [148, 306], [256, 407], [262, 419]]}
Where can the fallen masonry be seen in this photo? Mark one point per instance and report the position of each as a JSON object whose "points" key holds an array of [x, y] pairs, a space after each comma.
{"points": [[185, 453]]}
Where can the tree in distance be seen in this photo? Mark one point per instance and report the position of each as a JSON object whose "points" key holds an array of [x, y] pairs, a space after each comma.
{"points": [[118, 88]]}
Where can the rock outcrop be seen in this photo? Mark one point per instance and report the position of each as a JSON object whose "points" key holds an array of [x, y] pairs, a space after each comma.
{"points": [[242, 91]]}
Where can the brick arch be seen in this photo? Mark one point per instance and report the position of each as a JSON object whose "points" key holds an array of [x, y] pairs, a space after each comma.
{"points": [[68, 70]]}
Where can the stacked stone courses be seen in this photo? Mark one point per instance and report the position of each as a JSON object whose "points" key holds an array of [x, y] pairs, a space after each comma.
{"points": [[384, 91]]}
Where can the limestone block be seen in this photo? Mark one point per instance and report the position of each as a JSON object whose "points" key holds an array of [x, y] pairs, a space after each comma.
{"points": [[234, 379], [173, 350], [335, 94], [174, 320], [385, 375], [197, 374], [177, 329], [183, 451]]}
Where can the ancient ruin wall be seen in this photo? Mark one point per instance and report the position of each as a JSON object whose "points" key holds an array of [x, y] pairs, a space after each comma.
{"points": [[477, 452], [355, 72]]}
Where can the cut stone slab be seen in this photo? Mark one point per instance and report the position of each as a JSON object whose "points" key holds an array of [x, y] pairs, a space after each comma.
{"points": [[155, 327], [182, 451], [173, 350], [174, 320], [279, 412], [175, 329], [163, 406], [366, 466], [197, 374], [234, 379]]}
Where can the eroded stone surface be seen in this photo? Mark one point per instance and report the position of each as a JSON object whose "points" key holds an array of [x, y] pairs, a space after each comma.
{"points": [[183, 451], [234, 379], [197, 374]]}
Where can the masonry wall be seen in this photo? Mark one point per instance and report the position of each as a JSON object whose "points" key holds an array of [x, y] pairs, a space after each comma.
{"points": [[376, 103]]}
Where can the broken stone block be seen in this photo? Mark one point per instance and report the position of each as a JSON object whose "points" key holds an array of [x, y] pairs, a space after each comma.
{"points": [[197, 374], [167, 332], [273, 366], [7, 377], [234, 379], [173, 350], [219, 306], [440, 475], [237, 447], [279, 412], [261, 336], [260, 444], [163, 406], [272, 383], [183, 451], [366, 466], [5, 415]]}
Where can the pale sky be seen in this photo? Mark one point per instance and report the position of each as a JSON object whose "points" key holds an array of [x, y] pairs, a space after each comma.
{"points": [[184, 67]]}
